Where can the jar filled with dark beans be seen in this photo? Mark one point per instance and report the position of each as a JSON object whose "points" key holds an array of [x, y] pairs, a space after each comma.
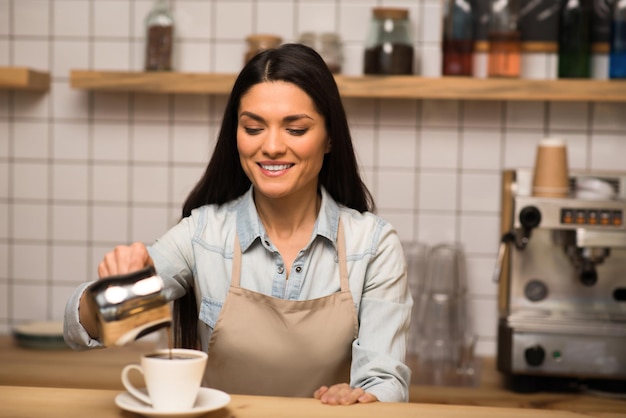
{"points": [[389, 49], [159, 37]]}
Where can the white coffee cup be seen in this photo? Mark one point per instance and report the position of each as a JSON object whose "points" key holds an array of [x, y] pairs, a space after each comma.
{"points": [[172, 383]]}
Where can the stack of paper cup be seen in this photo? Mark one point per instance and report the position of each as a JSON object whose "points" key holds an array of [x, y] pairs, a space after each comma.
{"points": [[551, 178]]}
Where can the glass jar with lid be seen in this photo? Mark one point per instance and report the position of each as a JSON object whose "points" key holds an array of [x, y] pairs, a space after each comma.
{"points": [[328, 45], [159, 37], [259, 42], [389, 47]]}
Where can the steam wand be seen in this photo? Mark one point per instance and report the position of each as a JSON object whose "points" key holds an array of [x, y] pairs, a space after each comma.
{"points": [[530, 218]]}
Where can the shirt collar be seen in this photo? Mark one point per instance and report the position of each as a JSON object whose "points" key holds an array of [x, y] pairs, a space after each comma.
{"points": [[250, 227]]}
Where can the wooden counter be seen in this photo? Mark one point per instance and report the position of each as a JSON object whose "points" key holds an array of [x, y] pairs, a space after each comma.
{"points": [[101, 369], [28, 402], [98, 368]]}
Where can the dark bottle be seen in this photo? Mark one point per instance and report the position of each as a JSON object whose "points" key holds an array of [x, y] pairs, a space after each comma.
{"points": [[505, 45], [458, 38], [617, 56], [575, 39], [389, 49], [159, 37]]}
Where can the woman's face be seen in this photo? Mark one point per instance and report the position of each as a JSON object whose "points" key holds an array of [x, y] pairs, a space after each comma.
{"points": [[281, 139]]}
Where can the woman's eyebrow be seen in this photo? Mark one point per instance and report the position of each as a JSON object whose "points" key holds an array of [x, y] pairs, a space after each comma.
{"points": [[251, 116], [290, 118]]}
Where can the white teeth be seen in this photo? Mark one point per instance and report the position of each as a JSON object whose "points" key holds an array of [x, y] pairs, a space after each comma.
{"points": [[275, 167]]}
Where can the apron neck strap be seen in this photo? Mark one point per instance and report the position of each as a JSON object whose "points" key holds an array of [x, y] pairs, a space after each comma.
{"points": [[342, 259]]}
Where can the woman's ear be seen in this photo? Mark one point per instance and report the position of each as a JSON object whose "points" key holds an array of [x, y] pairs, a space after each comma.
{"points": [[329, 145]]}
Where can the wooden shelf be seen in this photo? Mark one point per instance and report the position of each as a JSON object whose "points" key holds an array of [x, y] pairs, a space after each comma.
{"points": [[21, 78], [402, 87]]}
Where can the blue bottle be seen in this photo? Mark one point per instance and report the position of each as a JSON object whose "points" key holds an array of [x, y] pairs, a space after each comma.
{"points": [[617, 56], [458, 38]]}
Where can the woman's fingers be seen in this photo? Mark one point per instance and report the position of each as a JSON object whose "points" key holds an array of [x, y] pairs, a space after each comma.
{"points": [[124, 259]]}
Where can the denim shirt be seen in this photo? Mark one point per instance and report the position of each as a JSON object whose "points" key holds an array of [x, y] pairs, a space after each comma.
{"points": [[197, 254]]}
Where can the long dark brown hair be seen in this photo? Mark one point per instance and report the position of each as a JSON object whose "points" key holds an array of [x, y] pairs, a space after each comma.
{"points": [[224, 178]]}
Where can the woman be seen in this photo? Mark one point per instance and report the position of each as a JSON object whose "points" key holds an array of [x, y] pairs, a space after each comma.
{"points": [[301, 289]]}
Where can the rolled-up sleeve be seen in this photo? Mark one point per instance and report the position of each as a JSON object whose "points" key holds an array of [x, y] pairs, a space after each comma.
{"points": [[74, 333], [378, 355]]}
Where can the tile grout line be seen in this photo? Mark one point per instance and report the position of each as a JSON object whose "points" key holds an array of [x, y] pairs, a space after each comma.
{"points": [[50, 180]]}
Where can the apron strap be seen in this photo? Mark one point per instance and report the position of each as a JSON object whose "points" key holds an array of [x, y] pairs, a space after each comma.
{"points": [[341, 258], [236, 274]]}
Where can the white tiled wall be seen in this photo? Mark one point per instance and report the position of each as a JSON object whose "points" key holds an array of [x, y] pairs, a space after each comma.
{"points": [[81, 172]]}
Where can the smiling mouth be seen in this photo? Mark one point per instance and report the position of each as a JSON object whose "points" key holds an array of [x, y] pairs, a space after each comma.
{"points": [[275, 167]]}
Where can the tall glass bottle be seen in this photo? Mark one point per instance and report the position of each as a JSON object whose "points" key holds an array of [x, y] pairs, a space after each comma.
{"points": [[617, 56], [458, 38], [575, 39], [505, 44], [159, 37]]}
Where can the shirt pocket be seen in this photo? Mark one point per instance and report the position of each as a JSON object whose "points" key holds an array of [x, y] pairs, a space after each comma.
{"points": [[210, 311]]}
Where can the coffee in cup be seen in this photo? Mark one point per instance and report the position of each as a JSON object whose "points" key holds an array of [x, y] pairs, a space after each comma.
{"points": [[551, 174], [173, 378]]}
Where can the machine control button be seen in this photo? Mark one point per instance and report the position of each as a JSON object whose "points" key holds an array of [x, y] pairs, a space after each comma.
{"points": [[603, 217], [567, 216], [535, 290], [535, 355]]}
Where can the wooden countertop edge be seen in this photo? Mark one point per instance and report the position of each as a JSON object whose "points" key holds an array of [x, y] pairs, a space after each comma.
{"points": [[496, 397], [55, 402]]}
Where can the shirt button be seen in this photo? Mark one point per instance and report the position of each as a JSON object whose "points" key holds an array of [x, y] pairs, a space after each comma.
{"points": [[281, 269], [298, 269], [267, 243]]}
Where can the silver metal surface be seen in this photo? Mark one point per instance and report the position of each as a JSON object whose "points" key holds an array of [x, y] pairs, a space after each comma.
{"points": [[596, 238], [579, 355]]}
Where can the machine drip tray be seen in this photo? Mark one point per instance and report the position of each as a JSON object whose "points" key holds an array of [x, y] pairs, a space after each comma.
{"points": [[609, 388], [615, 389]]}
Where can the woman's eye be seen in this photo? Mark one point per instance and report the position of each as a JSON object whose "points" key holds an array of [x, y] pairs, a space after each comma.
{"points": [[252, 131], [297, 132]]}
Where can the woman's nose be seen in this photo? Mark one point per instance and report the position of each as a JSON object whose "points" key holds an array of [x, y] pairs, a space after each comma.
{"points": [[273, 143]]}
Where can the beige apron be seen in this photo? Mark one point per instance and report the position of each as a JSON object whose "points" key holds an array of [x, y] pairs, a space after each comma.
{"points": [[263, 345]]}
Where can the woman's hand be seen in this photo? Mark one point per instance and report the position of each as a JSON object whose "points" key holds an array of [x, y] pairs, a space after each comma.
{"points": [[124, 259], [343, 394]]}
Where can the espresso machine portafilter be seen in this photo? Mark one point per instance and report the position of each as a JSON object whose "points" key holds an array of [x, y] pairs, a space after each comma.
{"points": [[561, 275]]}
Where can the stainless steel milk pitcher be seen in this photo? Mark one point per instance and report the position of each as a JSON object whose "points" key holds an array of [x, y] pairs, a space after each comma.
{"points": [[129, 306]]}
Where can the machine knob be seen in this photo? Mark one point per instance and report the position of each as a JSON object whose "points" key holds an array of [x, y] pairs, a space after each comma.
{"points": [[534, 355], [530, 217]]}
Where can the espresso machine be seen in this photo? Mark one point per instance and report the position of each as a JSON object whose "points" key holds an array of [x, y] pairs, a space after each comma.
{"points": [[561, 274]]}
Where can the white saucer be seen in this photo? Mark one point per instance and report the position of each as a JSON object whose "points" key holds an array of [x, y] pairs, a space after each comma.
{"points": [[208, 400], [44, 335]]}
